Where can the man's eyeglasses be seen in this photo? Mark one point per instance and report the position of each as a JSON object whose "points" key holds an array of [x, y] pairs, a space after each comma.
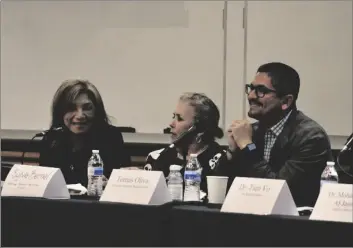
{"points": [[260, 90]]}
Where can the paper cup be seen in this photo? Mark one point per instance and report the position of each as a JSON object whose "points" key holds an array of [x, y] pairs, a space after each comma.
{"points": [[217, 187]]}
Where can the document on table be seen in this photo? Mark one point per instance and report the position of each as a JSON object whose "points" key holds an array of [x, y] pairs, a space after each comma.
{"points": [[76, 189]]}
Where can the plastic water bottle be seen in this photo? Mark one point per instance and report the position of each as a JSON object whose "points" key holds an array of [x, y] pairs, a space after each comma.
{"points": [[95, 174], [175, 183], [329, 175], [192, 179]]}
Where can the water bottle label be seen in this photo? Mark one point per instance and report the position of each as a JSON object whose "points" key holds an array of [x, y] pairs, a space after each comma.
{"points": [[192, 175], [98, 171]]}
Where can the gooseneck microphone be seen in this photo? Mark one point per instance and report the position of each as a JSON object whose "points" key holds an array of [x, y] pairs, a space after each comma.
{"points": [[349, 143], [41, 134], [54, 129], [347, 146]]}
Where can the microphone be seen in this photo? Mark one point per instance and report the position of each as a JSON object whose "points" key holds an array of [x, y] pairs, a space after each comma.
{"points": [[349, 143], [54, 129], [347, 146], [182, 138], [41, 134]]}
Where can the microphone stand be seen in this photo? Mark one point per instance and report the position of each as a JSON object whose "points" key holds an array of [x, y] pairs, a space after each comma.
{"points": [[339, 163], [346, 147], [41, 134], [27, 146]]}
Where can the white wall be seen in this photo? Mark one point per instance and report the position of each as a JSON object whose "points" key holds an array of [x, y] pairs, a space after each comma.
{"points": [[141, 62], [315, 37], [142, 55], [234, 73]]}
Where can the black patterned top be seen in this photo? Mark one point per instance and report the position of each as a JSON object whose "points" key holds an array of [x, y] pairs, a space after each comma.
{"points": [[213, 161]]}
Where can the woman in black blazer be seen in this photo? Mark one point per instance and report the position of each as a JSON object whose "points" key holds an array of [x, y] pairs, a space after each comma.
{"points": [[78, 108]]}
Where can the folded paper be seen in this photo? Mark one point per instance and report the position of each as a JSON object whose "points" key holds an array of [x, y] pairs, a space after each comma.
{"points": [[35, 181], [259, 196], [137, 187]]}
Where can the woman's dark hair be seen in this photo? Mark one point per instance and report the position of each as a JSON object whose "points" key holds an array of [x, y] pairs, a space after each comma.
{"points": [[65, 96], [206, 115]]}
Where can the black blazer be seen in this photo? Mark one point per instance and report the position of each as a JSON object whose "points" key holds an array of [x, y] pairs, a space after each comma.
{"points": [[56, 151], [298, 156]]}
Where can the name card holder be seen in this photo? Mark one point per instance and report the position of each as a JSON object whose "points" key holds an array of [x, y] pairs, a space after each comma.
{"points": [[137, 187], [334, 203], [35, 181], [259, 196]]}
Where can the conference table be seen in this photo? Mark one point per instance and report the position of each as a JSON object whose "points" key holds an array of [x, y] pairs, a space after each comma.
{"points": [[84, 221]]}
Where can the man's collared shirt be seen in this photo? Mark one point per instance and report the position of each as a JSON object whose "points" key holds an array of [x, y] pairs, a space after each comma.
{"points": [[272, 134]]}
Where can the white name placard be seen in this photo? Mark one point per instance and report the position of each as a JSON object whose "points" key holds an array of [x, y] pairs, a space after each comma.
{"points": [[35, 181], [137, 187], [259, 196], [334, 203]]}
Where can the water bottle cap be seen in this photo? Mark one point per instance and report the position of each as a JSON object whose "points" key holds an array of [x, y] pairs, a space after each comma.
{"points": [[95, 151], [175, 167], [330, 163]]}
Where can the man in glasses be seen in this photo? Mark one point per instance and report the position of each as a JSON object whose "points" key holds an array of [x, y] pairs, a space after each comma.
{"points": [[283, 143]]}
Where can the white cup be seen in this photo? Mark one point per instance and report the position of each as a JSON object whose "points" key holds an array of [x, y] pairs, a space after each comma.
{"points": [[217, 187]]}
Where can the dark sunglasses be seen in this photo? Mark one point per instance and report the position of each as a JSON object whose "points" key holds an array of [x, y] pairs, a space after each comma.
{"points": [[260, 90]]}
